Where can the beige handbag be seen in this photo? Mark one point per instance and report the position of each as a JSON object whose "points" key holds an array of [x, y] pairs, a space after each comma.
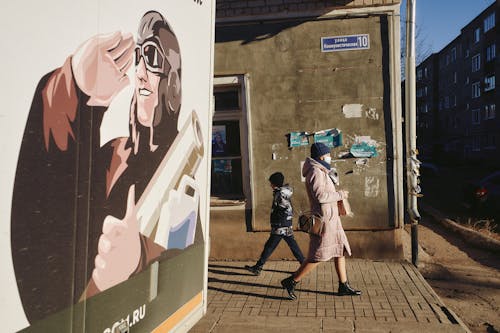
{"points": [[311, 223]]}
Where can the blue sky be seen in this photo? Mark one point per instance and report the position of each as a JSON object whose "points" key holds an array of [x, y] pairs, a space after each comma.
{"points": [[440, 21]]}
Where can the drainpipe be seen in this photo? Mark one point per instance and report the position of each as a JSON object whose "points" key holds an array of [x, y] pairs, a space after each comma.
{"points": [[412, 162]]}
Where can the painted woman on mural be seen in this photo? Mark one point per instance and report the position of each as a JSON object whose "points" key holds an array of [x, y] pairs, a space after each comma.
{"points": [[74, 227]]}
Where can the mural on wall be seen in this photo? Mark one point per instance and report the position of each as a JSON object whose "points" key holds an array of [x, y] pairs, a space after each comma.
{"points": [[86, 217]]}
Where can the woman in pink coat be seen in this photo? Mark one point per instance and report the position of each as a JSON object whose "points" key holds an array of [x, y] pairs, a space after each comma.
{"points": [[333, 242]]}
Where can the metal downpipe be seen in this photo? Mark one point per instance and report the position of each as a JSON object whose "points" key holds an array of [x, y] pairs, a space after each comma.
{"points": [[412, 162]]}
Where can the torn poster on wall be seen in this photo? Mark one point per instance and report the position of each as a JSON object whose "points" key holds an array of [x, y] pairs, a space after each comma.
{"points": [[330, 137], [298, 139], [364, 146]]}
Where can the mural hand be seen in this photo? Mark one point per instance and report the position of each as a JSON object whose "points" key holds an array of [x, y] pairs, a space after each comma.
{"points": [[100, 64], [119, 248]]}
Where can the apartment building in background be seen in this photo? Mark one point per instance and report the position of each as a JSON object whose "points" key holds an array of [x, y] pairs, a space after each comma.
{"points": [[457, 96]]}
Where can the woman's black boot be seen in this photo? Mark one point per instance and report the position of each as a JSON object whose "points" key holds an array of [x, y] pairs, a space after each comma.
{"points": [[289, 284], [346, 290]]}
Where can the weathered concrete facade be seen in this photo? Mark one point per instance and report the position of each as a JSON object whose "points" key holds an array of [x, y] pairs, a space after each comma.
{"points": [[292, 86]]}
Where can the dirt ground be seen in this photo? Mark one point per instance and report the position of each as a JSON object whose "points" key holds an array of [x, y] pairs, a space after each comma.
{"points": [[466, 278]]}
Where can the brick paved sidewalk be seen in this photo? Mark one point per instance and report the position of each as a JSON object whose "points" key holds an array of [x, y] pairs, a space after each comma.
{"points": [[395, 298]]}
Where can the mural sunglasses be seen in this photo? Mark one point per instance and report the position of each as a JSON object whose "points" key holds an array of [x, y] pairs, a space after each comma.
{"points": [[153, 56]]}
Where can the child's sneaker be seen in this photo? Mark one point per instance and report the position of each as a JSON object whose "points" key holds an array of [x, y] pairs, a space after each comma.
{"points": [[255, 270]]}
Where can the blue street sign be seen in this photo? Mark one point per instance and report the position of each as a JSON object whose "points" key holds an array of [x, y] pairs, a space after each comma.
{"points": [[345, 43]]}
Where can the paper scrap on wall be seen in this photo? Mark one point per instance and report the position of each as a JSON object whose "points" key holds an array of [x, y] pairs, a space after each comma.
{"points": [[299, 139], [364, 146], [330, 137]]}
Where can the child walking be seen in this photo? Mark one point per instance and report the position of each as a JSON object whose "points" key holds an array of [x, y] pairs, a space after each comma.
{"points": [[281, 223]]}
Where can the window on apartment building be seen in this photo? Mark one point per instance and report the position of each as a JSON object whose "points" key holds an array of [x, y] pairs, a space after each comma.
{"points": [[425, 72], [476, 62], [476, 89], [489, 22], [229, 161], [425, 91], [419, 74], [489, 83], [454, 101], [467, 80], [476, 116], [453, 54], [447, 59], [491, 144], [422, 108], [484, 141], [476, 143], [454, 77], [467, 106], [467, 53], [491, 52], [477, 35], [489, 111], [419, 92], [446, 102]]}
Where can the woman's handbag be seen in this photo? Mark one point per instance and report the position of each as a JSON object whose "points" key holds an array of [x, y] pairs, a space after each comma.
{"points": [[311, 223]]}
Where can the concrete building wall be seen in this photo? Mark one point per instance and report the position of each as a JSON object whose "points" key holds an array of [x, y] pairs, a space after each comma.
{"points": [[294, 87], [239, 9]]}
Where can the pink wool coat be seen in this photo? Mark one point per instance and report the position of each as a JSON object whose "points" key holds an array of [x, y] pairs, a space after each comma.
{"points": [[323, 198]]}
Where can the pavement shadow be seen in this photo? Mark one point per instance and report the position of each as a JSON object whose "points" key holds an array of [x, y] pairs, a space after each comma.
{"points": [[242, 292], [246, 293], [438, 272], [217, 271], [481, 256], [225, 266], [211, 266], [242, 283], [250, 284], [278, 271]]}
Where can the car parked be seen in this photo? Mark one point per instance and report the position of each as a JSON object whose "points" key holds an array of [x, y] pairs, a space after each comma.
{"points": [[483, 195]]}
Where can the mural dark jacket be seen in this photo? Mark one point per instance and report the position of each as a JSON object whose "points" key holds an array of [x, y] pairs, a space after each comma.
{"points": [[66, 184], [281, 210]]}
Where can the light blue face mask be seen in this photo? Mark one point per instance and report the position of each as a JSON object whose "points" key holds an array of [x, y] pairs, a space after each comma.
{"points": [[328, 159]]}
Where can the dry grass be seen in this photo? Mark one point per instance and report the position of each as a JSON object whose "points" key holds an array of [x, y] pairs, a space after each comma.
{"points": [[487, 227]]}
